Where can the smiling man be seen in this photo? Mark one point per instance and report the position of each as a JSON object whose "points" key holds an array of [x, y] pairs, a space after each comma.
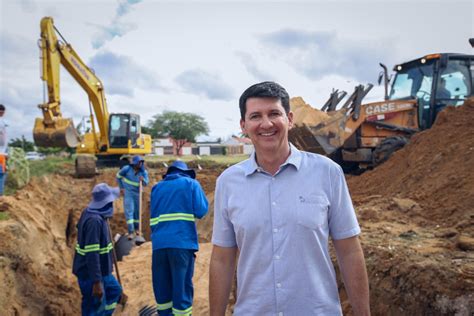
{"points": [[278, 209]]}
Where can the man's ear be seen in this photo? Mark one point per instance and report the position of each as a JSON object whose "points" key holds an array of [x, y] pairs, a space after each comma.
{"points": [[242, 126], [290, 120]]}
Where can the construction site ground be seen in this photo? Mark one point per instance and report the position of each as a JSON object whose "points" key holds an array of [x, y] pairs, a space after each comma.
{"points": [[416, 212]]}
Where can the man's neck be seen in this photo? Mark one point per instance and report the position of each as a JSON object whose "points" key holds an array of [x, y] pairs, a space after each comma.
{"points": [[271, 161]]}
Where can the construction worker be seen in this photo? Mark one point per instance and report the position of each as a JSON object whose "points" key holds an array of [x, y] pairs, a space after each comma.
{"points": [[276, 211], [93, 258], [129, 178], [175, 203], [3, 150]]}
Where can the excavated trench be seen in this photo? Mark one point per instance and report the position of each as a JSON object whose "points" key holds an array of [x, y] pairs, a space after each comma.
{"points": [[416, 213]]}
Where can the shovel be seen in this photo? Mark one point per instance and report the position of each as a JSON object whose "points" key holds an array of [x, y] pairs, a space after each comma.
{"points": [[139, 238], [123, 297]]}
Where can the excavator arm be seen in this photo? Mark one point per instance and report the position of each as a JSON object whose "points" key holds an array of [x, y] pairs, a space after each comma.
{"points": [[53, 130]]}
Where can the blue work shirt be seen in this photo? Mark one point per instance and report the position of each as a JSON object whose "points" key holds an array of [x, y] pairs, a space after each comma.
{"points": [[129, 180], [175, 203], [93, 256], [281, 225]]}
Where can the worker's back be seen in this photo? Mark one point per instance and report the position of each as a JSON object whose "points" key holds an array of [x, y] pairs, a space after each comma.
{"points": [[175, 203]]}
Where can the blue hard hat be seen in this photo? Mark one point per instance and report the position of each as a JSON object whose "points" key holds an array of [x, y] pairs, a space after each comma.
{"points": [[181, 166], [136, 160]]}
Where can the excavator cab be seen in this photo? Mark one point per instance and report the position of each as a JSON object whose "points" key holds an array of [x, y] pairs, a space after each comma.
{"points": [[122, 128]]}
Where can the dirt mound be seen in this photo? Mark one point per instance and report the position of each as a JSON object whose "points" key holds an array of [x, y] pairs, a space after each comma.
{"points": [[436, 170], [35, 252], [305, 113], [417, 217]]}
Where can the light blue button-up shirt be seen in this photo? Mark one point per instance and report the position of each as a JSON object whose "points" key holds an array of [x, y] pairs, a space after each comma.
{"points": [[281, 225]]}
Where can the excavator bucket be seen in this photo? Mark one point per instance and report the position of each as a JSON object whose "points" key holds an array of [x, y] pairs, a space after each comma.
{"points": [[61, 134]]}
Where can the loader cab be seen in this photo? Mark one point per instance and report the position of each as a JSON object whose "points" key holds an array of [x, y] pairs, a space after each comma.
{"points": [[123, 127], [436, 81]]}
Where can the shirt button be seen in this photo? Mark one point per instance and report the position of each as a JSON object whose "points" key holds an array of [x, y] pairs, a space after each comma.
{"points": [[277, 257], [274, 203], [273, 179], [280, 314], [278, 285], [275, 230]]}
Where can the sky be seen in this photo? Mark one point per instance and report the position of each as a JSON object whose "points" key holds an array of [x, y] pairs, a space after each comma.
{"points": [[199, 56]]}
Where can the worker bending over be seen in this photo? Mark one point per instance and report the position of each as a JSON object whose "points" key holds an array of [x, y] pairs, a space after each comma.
{"points": [[175, 203], [93, 257], [128, 179]]}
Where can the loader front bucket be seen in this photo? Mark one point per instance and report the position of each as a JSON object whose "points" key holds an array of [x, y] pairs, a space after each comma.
{"points": [[61, 134], [323, 138]]}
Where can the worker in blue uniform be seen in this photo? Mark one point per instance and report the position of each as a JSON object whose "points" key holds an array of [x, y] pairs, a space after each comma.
{"points": [[176, 202], [93, 257], [128, 179]]}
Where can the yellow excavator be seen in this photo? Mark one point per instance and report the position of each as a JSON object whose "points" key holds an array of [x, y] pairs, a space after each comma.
{"points": [[116, 135], [361, 136]]}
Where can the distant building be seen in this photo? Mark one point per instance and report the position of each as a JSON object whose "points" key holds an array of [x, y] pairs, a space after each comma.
{"points": [[208, 148], [166, 146], [233, 146], [238, 146]]}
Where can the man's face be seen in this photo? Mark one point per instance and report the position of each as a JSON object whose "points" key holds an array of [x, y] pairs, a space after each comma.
{"points": [[267, 124], [1, 113]]}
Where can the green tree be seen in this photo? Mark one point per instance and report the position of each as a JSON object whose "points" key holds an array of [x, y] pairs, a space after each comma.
{"points": [[181, 127], [22, 143]]}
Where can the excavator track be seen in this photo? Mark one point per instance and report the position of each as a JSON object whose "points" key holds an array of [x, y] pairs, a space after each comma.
{"points": [[85, 166]]}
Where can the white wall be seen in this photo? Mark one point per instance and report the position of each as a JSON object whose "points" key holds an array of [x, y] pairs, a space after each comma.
{"points": [[186, 150], [159, 151], [205, 150]]}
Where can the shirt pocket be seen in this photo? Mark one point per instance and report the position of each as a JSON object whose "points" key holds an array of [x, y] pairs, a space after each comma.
{"points": [[312, 211]]}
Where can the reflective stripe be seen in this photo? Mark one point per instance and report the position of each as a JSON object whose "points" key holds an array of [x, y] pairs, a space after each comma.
{"points": [[93, 248], [106, 249], [135, 184], [185, 312], [172, 217], [164, 306], [130, 221], [136, 221], [111, 306]]}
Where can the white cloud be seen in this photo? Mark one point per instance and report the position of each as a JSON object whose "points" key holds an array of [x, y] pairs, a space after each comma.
{"points": [[117, 27], [317, 54], [200, 82], [122, 75]]}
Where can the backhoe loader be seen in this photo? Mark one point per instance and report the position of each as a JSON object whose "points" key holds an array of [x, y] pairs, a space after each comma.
{"points": [[360, 136], [116, 135]]}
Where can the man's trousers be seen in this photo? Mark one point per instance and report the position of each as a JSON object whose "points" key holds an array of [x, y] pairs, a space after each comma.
{"points": [[172, 272], [130, 208], [93, 306]]}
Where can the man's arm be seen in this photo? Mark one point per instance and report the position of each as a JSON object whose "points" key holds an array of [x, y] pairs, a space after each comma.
{"points": [[221, 273], [145, 179], [200, 203], [352, 265], [119, 176]]}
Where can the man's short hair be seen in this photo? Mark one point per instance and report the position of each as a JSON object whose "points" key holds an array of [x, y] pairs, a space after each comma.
{"points": [[266, 89], [2, 107]]}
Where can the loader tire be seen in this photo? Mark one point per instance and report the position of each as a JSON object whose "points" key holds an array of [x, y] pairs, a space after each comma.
{"points": [[85, 166], [387, 147]]}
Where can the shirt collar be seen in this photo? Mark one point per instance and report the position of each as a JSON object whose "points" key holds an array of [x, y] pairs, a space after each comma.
{"points": [[251, 166]]}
